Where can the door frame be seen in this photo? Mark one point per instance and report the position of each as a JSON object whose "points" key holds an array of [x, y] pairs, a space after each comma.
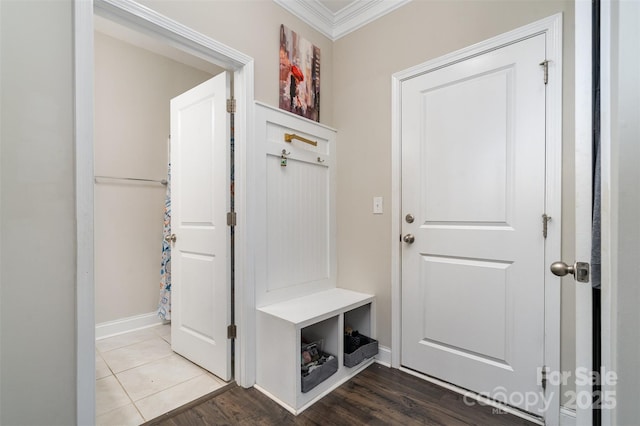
{"points": [[610, 17], [552, 28], [583, 197], [143, 19]]}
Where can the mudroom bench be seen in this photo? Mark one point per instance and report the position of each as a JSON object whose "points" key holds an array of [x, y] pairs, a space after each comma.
{"points": [[317, 319]]}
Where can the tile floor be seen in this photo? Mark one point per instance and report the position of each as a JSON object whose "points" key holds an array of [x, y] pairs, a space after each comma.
{"points": [[139, 377]]}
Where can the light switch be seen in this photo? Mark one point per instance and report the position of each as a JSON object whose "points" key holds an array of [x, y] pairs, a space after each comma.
{"points": [[377, 205]]}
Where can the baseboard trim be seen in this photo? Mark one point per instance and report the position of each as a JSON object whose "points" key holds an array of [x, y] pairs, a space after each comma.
{"points": [[567, 416], [275, 399], [352, 373], [384, 356], [126, 325]]}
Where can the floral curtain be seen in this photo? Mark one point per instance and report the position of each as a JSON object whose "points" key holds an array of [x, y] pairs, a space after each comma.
{"points": [[164, 306]]}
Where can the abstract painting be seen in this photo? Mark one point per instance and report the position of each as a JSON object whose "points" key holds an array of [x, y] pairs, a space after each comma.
{"points": [[299, 75]]}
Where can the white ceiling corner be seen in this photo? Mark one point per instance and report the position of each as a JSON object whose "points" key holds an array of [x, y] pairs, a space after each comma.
{"points": [[338, 24]]}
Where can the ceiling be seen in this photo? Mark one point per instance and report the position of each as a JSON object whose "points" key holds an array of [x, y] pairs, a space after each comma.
{"points": [[337, 18], [336, 6]]}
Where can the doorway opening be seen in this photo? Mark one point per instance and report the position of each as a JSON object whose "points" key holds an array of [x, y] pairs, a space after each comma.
{"points": [[182, 38], [138, 376], [427, 272]]}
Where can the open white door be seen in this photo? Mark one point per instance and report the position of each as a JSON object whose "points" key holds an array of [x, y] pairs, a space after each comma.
{"points": [[201, 302]]}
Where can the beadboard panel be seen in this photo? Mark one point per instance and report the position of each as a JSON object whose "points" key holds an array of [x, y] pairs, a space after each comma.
{"points": [[295, 226], [298, 243]]}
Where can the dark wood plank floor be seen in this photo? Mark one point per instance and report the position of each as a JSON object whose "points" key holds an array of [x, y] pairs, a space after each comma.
{"points": [[377, 396]]}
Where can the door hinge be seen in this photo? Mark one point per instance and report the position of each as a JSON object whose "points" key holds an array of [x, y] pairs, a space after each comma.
{"points": [[231, 331], [545, 224], [545, 65], [231, 219], [231, 106], [542, 376]]}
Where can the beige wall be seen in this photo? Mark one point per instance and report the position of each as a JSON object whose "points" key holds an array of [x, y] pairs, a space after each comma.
{"points": [[133, 88], [37, 227], [364, 62], [253, 28]]}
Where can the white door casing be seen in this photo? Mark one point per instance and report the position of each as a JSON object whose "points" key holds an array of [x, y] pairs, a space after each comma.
{"points": [[619, 154], [583, 206], [467, 242], [200, 273]]}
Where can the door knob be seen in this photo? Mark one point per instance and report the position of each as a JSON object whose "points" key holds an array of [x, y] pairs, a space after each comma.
{"points": [[171, 238], [409, 239], [579, 270], [561, 269]]}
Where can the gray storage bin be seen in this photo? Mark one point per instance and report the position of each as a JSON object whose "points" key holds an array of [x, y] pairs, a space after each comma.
{"points": [[320, 374], [367, 349]]}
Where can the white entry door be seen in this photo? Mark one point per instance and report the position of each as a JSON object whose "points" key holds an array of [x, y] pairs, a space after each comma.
{"points": [[473, 196], [201, 300]]}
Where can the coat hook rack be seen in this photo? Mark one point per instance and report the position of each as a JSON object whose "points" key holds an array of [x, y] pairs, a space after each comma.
{"points": [[288, 137]]}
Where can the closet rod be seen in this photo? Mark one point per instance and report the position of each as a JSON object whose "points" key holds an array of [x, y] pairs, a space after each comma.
{"points": [[163, 181]]}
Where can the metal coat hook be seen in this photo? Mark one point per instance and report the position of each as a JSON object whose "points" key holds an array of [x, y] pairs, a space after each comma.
{"points": [[320, 160], [283, 158]]}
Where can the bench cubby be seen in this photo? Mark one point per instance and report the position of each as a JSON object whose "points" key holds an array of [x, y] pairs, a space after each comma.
{"points": [[317, 317]]}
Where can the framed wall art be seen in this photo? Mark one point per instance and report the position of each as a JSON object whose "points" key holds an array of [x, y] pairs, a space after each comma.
{"points": [[299, 75]]}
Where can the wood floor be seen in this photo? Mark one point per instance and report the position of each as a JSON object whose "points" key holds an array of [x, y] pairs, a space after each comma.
{"points": [[377, 396]]}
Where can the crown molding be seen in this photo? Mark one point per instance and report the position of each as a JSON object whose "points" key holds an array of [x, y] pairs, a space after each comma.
{"points": [[341, 23]]}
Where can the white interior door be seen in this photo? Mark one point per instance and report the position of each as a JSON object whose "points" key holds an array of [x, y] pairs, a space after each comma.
{"points": [[200, 200], [473, 178]]}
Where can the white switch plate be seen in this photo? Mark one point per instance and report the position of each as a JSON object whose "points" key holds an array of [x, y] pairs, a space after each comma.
{"points": [[377, 205]]}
